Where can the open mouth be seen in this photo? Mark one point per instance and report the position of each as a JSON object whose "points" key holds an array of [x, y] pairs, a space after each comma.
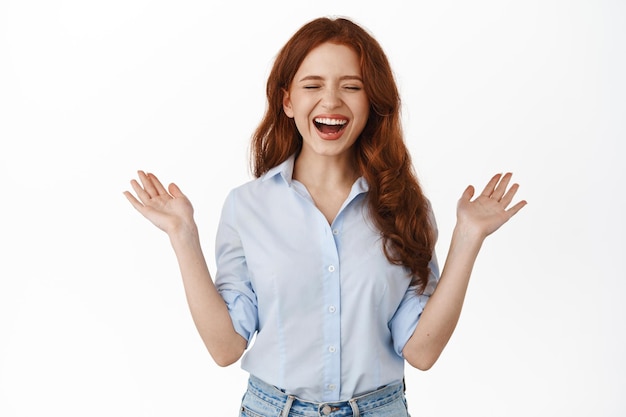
{"points": [[329, 126]]}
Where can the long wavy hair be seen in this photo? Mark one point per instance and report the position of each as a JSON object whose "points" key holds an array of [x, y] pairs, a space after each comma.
{"points": [[397, 204]]}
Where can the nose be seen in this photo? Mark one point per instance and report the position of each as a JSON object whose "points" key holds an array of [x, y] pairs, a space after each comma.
{"points": [[331, 99]]}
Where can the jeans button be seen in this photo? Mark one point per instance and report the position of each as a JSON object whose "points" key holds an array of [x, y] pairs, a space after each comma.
{"points": [[326, 410]]}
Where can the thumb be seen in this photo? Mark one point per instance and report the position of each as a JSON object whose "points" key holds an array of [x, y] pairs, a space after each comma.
{"points": [[175, 191], [468, 193]]}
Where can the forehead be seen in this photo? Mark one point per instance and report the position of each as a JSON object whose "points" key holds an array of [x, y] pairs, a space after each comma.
{"points": [[330, 59]]}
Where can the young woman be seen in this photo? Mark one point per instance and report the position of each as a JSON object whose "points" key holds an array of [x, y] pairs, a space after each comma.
{"points": [[326, 272]]}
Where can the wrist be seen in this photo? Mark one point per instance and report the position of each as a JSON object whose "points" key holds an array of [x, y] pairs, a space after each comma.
{"points": [[184, 234], [467, 234]]}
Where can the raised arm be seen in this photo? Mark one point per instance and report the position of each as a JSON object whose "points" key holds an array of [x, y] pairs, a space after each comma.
{"points": [[172, 212], [476, 219]]}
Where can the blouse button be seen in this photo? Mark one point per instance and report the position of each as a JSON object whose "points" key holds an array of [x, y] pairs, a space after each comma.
{"points": [[331, 268], [332, 309], [335, 232], [332, 349]]}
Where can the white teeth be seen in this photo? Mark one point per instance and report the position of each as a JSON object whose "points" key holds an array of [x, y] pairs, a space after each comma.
{"points": [[330, 122]]}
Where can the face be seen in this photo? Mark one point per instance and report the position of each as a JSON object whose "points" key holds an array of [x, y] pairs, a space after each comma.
{"points": [[327, 101]]}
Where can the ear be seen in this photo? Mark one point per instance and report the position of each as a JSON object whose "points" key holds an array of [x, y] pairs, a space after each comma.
{"points": [[287, 104]]}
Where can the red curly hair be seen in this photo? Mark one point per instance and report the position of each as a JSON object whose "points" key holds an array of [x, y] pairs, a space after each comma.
{"points": [[397, 204]]}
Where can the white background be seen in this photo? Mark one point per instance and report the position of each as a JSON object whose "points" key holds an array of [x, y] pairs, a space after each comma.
{"points": [[93, 320]]}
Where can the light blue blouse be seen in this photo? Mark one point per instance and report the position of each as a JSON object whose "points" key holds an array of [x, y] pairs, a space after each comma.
{"points": [[326, 315]]}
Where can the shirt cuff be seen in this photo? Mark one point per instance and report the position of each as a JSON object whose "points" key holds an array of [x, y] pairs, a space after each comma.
{"points": [[243, 313], [405, 320]]}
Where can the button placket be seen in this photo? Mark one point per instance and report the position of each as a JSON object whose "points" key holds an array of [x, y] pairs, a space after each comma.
{"points": [[332, 320]]}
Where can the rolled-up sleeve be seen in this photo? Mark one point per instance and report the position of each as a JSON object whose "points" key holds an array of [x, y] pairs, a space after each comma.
{"points": [[404, 321], [232, 278]]}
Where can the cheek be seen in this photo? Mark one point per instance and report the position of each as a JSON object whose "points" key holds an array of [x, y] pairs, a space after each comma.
{"points": [[364, 114], [361, 107], [302, 124]]}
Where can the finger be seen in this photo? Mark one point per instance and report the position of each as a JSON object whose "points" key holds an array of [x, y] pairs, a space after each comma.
{"points": [[517, 207], [157, 184], [468, 193], [500, 189], [147, 184], [491, 185], [466, 197], [175, 191], [141, 208], [136, 203], [143, 195], [508, 196]]}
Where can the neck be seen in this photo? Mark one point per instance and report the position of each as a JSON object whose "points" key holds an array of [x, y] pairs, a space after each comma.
{"points": [[335, 172]]}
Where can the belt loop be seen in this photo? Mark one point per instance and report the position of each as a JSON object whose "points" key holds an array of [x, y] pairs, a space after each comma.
{"points": [[287, 407], [355, 408]]}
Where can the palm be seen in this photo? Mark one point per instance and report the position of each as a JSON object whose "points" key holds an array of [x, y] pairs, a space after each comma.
{"points": [[168, 210], [487, 212]]}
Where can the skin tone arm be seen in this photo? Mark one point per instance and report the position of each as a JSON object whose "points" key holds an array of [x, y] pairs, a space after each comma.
{"points": [[172, 212], [476, 220]]}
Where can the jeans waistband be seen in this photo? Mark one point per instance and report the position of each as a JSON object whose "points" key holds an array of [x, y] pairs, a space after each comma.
{"points": [[352, 407]]}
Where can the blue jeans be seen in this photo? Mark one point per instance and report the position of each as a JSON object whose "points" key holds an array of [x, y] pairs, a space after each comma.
{"points": [[264, 400]]}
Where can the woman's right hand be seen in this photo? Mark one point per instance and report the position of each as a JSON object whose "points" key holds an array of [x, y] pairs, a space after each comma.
{"points": [[170, 210]]}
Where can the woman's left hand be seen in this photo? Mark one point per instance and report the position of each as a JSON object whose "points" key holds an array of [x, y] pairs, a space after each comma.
{"points": [[487, 212]]}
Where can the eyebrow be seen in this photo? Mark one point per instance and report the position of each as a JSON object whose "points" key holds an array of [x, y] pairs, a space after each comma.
{"points": [[319, 78]]}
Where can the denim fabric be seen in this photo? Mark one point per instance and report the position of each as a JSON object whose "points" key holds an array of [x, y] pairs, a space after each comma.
{"points": [[264, 400]]}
